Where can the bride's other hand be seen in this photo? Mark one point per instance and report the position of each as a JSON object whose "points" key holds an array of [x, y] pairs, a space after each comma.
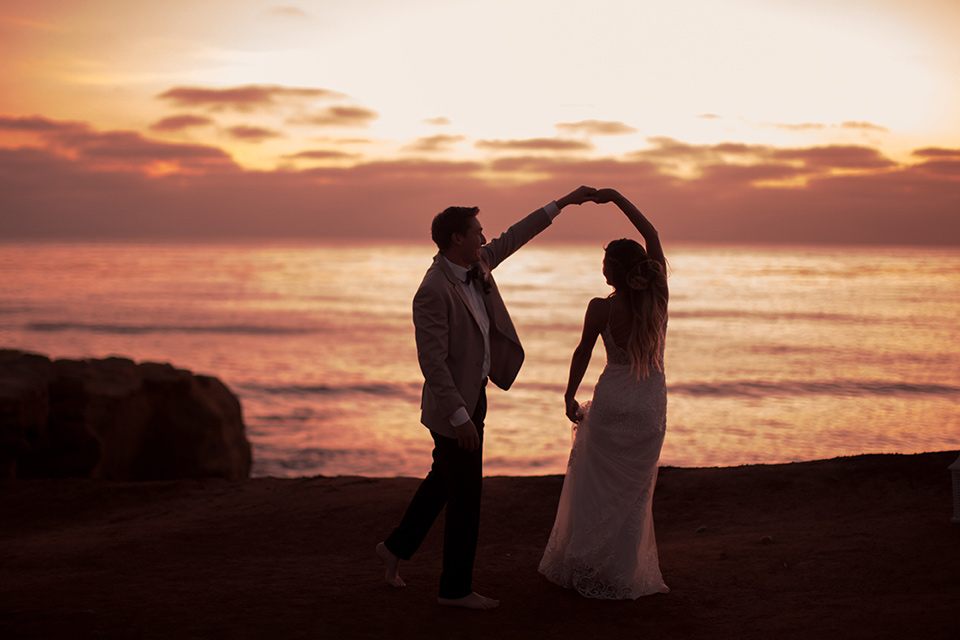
{"points": [[573, 410], [577, 196], [603, 196]]}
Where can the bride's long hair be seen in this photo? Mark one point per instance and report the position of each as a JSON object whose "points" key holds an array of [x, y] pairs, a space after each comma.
{"points": [[644, 283]]}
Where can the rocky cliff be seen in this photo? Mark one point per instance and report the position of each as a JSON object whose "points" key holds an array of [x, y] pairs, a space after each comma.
{"points": [[116, 419]]}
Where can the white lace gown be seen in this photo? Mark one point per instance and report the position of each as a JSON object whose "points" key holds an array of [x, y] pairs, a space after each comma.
{"points": [[602, 543]]}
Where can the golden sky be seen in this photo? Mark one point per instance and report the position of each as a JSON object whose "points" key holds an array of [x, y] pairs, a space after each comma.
{"points": [[753, 120]]}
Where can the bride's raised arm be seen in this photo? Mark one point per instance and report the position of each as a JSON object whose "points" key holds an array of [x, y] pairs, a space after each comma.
{"points": [[650, 236]]}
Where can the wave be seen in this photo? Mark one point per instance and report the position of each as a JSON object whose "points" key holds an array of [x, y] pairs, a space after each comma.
{"points": [[732, 314], [759, 389], [403, 390], [142, 329], [764, 389], [736, 314]]}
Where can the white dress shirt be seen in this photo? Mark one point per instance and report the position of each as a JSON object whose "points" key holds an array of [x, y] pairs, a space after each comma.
{"points": [[475, 298]]}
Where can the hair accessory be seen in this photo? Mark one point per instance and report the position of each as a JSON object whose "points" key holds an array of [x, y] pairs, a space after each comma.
{"points": [[636, 280]]}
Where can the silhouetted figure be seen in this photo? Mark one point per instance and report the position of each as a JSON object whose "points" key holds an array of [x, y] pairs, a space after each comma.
{"points": [[602, 543], [464, 336]]}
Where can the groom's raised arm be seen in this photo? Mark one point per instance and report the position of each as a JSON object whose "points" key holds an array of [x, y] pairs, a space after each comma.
{"points": [[502, 247]]}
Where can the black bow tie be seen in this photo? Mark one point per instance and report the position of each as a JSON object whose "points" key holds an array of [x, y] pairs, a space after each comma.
{"points": [[475, 273]]}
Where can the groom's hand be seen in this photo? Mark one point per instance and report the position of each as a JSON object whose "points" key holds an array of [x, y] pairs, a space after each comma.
{"points": [[577, 196], [602, 196], [467, 436]]}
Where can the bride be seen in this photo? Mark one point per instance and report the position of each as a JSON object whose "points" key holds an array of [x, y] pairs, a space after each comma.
{"points": [[602, 543]]}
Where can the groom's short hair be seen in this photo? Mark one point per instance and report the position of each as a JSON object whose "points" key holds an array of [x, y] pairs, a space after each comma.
{"points": [[450, 221]]}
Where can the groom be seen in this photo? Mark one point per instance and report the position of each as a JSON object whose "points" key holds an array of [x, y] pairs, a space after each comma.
{"points": [[464, 336]]}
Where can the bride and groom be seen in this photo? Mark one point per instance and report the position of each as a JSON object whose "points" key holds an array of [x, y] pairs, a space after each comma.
{"points": [[602, 543]]}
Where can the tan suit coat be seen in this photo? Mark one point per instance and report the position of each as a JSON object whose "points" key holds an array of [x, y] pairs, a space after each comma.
{"points": [[449, 340]]}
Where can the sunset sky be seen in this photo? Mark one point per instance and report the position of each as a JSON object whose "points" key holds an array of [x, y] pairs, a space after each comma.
{"points": [[724, 120]]}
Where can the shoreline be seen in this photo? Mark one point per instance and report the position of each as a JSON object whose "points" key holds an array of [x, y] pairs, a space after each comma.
{"points": [[852, 547]]}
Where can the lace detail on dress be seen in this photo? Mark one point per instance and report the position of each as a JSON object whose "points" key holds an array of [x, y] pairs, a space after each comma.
{"points": [[615, 353], [603, 543]]}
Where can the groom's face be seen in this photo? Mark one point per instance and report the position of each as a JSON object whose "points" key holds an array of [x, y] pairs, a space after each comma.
{"points": [[472, 240]]}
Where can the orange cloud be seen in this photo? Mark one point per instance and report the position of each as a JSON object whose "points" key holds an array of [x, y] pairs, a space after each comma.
{"points": [[534, 144], [179, 123], [321, 154], [244, 98], [787, 163], [288, 12], [866, 126], [441, 121], [817, 126], [834, 156], [805, 126], [252, 134], [38, 124], [340, 141], [337, 117], [596, 127], [937, 152], [115, 184], [946, 167], [130, 145], [440, 142], [126, 151]]}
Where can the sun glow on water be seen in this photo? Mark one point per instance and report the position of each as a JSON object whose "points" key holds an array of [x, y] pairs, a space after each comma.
{"points": [[772, 354]]}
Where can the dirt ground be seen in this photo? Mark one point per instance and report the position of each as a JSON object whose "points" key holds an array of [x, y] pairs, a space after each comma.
{"points": [[858, 547]]}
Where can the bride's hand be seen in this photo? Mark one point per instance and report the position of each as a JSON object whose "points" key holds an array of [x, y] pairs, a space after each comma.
{"points": [[573, 410], [577, 196], [602, 196]]}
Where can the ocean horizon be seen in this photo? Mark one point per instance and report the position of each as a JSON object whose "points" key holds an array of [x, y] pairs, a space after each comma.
{"points": [[774, 353]]}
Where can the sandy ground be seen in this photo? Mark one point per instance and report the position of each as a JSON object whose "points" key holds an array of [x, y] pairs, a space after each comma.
{"points": [[859, 547]]}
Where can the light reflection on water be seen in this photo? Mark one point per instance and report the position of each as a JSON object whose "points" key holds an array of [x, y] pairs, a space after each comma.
{"points": [[773, 354]]}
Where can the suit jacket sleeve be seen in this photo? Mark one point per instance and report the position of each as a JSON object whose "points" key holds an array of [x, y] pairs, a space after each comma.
{"points": [[502, 247], [432, 324]]}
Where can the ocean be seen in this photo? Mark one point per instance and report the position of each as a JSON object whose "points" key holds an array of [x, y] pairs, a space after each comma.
{"points": [[774, 354]]}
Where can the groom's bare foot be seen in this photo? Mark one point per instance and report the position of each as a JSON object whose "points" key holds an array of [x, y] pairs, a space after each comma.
{"points": [[472, 601], [392, 566]]}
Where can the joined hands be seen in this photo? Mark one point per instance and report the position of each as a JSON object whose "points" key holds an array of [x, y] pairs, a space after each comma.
{"points": [[589, 194]]}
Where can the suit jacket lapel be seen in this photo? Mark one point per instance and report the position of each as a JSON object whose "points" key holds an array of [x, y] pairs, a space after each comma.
{"points": [[458, 285]]}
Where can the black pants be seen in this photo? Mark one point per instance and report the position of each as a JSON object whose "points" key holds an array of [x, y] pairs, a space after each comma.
{"points": [[454, 481]]}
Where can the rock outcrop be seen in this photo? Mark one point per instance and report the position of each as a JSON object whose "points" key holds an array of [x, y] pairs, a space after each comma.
{"points": [[116, 419]]}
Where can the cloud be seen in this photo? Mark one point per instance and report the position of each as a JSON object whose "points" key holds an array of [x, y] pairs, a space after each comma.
{"points": [[534, 144], [936, 152], [709, 116], [441, 121], [243, 98], [596, 127], [288, 12], [817, 126], [252, 134], [941, 167], [805, 126], [321, 154], [38, 124], [179, 123], [674, 153], [866, 126], [337, 117], [430, 144], [126, 151], [131, 145], [120, 184], [801, 161], [834, 157]]}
